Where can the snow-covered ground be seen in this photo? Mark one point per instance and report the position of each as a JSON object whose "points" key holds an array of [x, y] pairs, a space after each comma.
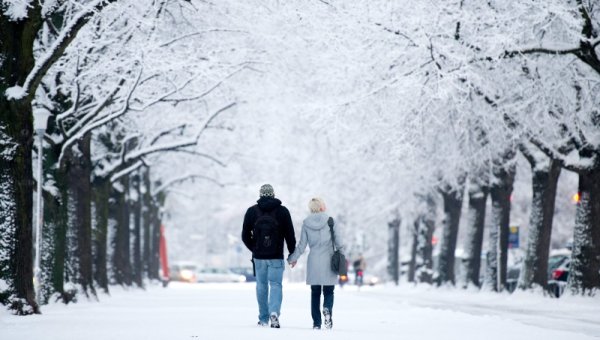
{"points": [[228, 311]]}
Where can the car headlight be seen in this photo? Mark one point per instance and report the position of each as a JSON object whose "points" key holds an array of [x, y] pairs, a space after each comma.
{"points": [[187, 275]]}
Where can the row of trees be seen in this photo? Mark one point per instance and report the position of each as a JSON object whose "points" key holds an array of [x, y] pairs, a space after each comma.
{"points": [[446, 99], [100, 69], [497, 98]]}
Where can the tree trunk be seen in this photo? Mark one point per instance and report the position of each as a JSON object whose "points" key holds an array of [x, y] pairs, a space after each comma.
{"points": [[101, 197], [137, 234], [425, 248], [394, 250], [122, 256], [478, 194], [56, 219], [80, 173], [452, 209], [16, 175], [500, 191], [147, 222], [155, 259], [535, 266], [584, 273], [413, 251]]}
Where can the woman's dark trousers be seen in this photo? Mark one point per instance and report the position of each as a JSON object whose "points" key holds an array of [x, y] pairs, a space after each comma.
{"points": [[315, 302]]}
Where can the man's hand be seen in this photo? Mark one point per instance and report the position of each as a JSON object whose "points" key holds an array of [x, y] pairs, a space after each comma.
{"points": [[293, 264]]}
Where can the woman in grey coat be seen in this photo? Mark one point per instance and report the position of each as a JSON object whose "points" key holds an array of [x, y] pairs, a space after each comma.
{"points": [[316, 234]]}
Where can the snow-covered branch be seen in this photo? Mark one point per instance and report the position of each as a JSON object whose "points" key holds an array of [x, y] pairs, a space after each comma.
{"points": [[204, 93], [100, 121], [126, 171], [189, 35], [181, 179], [135, 156], [202, 155], [67, 35], [96, 110]]}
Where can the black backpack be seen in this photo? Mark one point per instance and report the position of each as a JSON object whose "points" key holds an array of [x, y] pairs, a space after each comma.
{"points": [[267, 239]]}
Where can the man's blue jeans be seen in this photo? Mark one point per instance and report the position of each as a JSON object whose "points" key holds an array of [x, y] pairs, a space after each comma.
{"points": [[269, 274]]}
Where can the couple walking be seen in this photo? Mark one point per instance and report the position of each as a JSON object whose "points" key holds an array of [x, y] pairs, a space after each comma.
{"points": [[266, 226]]}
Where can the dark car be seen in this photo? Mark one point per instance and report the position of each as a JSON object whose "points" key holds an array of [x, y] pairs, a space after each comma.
{"points": [[560, 275], [557, 258]]}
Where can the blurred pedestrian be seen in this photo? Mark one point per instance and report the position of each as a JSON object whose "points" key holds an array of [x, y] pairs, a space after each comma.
{"points": [[359, 266], [267, 225], [316, 233]]}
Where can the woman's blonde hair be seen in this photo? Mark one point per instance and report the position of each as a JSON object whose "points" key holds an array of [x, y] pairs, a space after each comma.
{"points": [[316, 205]]}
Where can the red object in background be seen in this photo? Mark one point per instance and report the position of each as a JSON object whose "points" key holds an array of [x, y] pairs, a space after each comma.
{"points": [[162, 250]]}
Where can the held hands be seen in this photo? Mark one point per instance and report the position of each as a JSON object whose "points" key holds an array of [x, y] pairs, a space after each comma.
{"points": [[293, 263]]}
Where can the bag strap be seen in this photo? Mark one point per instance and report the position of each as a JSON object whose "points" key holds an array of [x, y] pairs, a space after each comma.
{"points": [[332, 233]]}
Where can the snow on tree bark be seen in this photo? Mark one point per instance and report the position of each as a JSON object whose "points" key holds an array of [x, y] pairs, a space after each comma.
{"points": [[544, 180], [80, 172], [500, 193], [137, 231], [478, 194], [584, 271], [101, 192], [452, 198], [413, 250], [424, 267]]}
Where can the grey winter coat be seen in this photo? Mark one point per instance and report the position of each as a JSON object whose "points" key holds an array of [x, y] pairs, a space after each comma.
{"points": [[315, 233]]}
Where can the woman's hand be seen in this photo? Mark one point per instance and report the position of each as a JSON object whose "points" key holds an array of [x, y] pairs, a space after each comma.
{"points": [[293, 264]]}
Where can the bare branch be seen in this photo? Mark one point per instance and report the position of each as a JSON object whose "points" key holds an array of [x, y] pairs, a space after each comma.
{"points": [[398, 33], [181, 179], [200, 154], [199, 33], [167, 132]]}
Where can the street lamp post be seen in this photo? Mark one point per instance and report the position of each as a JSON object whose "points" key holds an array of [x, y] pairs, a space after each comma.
{"points": [[40, 122]]}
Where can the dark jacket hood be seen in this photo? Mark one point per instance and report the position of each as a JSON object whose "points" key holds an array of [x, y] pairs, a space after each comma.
{"points": [[268, 203]]}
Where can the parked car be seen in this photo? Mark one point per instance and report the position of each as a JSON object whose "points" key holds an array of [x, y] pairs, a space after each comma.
{"points": [[560, 275], [561, 272], [556, 259], [246, 271], [183, 271], [218, 275], [371, 280]]}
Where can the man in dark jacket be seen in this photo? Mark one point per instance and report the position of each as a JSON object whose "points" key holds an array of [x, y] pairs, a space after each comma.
{"points": [[266, 226]]}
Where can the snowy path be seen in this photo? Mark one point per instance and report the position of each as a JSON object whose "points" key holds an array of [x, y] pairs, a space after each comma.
{"points": [[228, 311]]}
